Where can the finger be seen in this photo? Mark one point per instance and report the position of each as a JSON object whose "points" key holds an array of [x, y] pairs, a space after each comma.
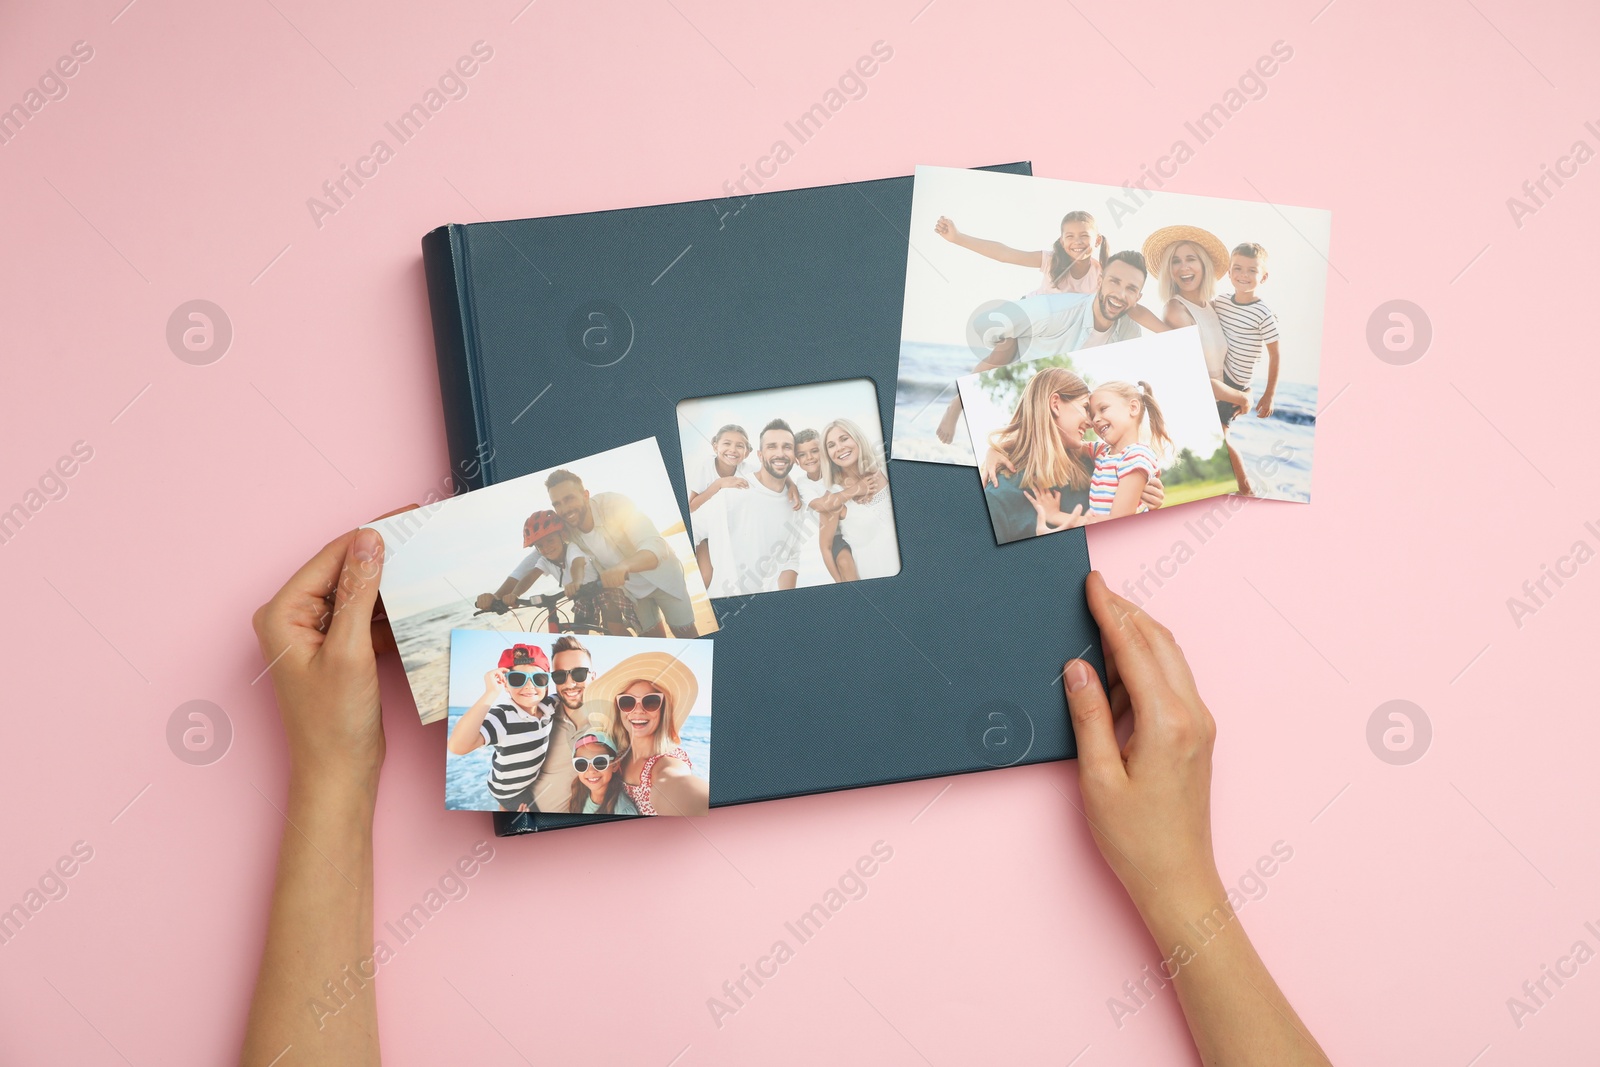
{"points": [[1123, 640], [301, 604], [350, 631], [1098, 751], [382, 634], [1166, 665]]}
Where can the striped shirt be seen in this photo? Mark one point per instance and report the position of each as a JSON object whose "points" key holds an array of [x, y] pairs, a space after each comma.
{"points": [[520, 742], [1110, 468], [1249, 328]]}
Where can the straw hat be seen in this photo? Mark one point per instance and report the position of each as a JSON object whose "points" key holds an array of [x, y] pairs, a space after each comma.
{"points": [[666, 673], [1158, 247]]}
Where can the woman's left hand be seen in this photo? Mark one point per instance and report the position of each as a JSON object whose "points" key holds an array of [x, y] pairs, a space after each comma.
{"points": [[320, 642], [1154, 494]]}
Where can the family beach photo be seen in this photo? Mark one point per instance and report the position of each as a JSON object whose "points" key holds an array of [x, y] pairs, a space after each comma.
{"points": [[578, 724], [1004, 268], [788, 488], [596, 546], [1104, 433]]}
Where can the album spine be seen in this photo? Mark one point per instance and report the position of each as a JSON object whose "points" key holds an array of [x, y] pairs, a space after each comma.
{"points": [[450, 304]]}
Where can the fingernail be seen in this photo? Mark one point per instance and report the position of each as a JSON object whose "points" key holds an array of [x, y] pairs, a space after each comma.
{"points": [[1077, 675], [367, 545]]}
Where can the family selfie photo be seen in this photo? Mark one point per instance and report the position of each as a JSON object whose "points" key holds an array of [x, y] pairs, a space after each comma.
{"points": [[578, 725]]}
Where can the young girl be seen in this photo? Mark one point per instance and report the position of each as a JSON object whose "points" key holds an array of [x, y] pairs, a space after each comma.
{"points": [[1067, 266], [723, 469], [1123, 465], [597, 790]]}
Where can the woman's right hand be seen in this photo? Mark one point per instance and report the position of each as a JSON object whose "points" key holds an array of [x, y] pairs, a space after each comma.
{"points": [[994, 461], [1148, 802]]}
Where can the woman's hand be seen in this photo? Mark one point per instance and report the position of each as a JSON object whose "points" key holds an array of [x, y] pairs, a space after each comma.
{"points": [[319, 639], [995, 461], [1047, 505], [1148, 802], [1148, 805], [1154, 495]]}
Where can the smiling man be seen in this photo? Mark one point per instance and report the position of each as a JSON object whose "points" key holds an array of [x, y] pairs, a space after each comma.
{"points": [[631, 553], [1053, 324], [571, 669], [765, 524]]}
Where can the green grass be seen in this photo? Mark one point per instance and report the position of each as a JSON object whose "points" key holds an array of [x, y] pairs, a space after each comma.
{"points": [[1184, 492]]}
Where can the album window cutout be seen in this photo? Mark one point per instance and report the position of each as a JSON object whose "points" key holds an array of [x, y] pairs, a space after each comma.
{"points": [[788, 488]]}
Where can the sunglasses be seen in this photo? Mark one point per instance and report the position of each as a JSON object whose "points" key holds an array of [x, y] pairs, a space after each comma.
{"points": [[518, 679], [579, 674], [650, 701], [581, 763]]}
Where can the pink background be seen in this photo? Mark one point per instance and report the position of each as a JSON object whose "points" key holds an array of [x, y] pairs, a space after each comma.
{"points": [[1418, 898]]}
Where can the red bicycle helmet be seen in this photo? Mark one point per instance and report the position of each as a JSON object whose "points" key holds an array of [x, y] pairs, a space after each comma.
{"points": [[541, 524]]}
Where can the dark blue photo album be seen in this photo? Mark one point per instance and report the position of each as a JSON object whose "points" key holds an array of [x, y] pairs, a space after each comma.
{"points": [[562, 337]]}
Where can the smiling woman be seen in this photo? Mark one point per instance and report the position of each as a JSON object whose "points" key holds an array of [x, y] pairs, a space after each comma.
{"points": [[646, 700]]}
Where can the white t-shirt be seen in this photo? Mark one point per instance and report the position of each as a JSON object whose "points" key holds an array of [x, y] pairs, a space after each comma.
{"points": [[560, 571], [706, 522], [813, 570], [764, 535], [1096, 337]]}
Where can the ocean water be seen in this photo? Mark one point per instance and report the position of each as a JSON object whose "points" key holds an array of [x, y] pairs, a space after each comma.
{"points": [[1276, 451], [928, 373], [466, 778]]}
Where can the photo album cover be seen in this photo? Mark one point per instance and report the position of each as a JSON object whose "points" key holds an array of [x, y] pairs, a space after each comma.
{"points": [[788, 488], [595, 546], [1004, 269], [578, 724], [1067, 440]]}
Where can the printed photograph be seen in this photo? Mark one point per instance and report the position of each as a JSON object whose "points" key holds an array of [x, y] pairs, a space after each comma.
{"points": [[597, 546], [578, 724], [788, 488], [1004, 268], [1103, 433]]}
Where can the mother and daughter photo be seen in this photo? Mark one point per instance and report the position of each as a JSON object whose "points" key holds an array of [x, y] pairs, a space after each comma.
{"points": [[586, 725], [1085, 294], [1101, 434]]}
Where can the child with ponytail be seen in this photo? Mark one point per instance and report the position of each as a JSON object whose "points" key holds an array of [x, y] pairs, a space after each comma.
{"points": [[1123, 464], [1070, 265]]}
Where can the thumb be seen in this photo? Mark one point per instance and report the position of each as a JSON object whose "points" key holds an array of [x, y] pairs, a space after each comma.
{"points": [[351, 629], [1098, 751]]}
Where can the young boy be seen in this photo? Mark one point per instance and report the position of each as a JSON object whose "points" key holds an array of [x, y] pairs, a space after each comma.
{"points": [[593, 605], [518, 730], [816, 568], [1250, 327]]}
